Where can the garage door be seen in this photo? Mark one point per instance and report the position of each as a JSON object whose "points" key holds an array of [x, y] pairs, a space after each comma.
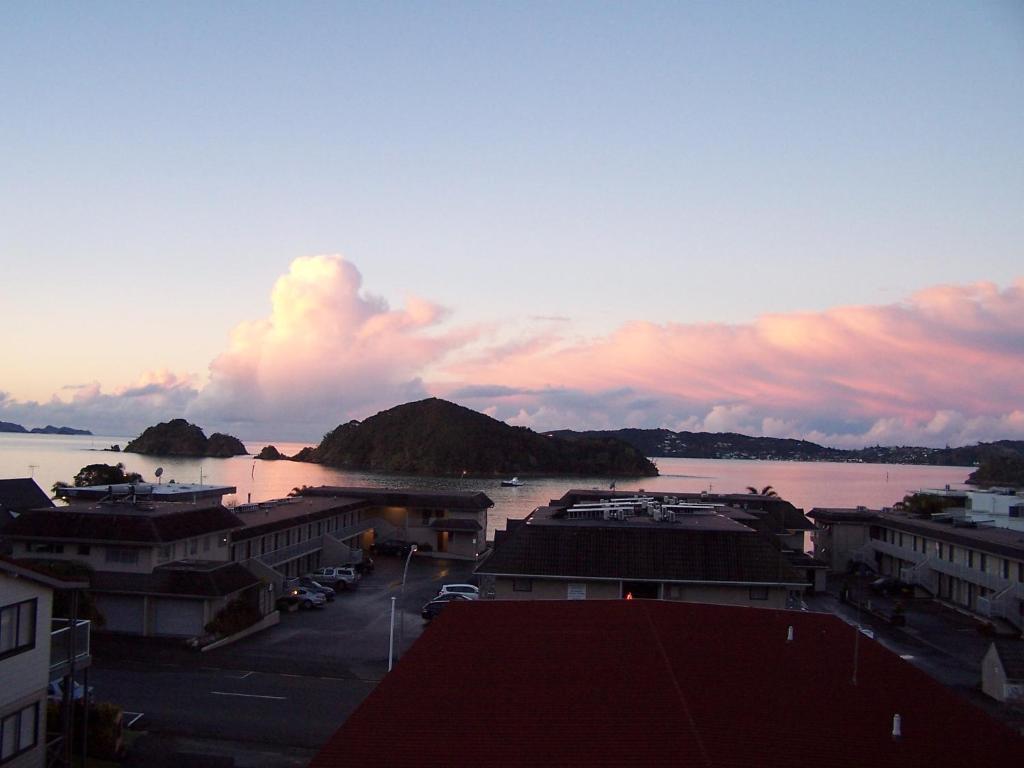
{"points": [[177, 618], [121, 613]]}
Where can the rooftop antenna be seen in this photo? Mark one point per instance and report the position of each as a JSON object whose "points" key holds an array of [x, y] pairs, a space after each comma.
{"points": [[32, 469], [159, 472], [897, 726], [200, 475]]}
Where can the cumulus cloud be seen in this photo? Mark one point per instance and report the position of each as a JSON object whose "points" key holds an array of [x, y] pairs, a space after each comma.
{"points": [[328, 352]]}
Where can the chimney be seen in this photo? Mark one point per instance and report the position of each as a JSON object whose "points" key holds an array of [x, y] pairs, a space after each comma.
{"points": [[897, 726], [789, 634]]}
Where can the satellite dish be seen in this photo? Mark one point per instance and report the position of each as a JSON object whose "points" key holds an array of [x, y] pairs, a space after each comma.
{"points": [[159, 472]]}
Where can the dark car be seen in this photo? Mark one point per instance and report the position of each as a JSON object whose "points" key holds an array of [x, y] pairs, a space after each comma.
{"points": [[392, 547], [315, 586], [365, 565], [435, 606], [888, 585]]}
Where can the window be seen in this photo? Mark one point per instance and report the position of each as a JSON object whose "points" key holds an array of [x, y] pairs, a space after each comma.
{"points": [[165, 552], [522, 585], [940, 550], [901, 538], [319, 529], [951, 549], [56, 549], [84, 549], [759, 593], [193, 546], [122, 555], [984, 561], [19, 732], [1006, 569], [206, 543], [17, 628], [970, 558], [425, 515]]}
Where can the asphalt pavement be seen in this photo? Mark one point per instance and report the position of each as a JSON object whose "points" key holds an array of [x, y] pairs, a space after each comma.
{"points": [[275, 697]]}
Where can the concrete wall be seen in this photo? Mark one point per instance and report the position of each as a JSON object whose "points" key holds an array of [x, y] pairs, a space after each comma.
{"points": [[836, 545], [724, 595], [24, 676], [556, 589]]}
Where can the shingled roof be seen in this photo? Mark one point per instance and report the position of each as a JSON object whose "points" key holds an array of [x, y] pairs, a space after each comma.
{"points": [[21, 493], [123, 523], [387, 497], [651, 683], [177, 579], [636, 553]]}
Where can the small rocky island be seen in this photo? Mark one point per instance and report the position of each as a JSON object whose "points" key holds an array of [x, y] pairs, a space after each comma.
{"points": [[436, 437], [179, 438]]}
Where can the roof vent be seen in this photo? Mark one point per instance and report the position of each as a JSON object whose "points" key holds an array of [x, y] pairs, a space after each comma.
{"points": [[897, 726], [789, 634]]}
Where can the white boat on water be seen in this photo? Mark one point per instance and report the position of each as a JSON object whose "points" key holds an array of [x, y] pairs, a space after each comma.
{"points": [[515, 482]]}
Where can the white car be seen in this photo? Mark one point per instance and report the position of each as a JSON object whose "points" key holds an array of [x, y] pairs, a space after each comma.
{"points": [[467, 591], [307, 598]]}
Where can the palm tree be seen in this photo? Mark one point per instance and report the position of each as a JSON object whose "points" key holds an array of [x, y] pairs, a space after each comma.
{"points": [[766, 491]]}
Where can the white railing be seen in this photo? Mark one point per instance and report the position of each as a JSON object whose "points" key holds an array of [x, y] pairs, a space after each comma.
{"points": [[61, 635], [290, 552], [923, 575]]}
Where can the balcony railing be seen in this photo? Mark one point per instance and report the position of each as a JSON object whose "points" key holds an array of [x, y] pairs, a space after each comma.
{"points": [[290, 552], [61, 636]]}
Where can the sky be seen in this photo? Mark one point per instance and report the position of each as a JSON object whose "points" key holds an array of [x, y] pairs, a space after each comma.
{"points": [[789, 219]]}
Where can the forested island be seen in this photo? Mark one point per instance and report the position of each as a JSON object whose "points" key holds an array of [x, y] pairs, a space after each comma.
{"points": [[730, 445], [49, 429], [179, 438], [436, 437]]}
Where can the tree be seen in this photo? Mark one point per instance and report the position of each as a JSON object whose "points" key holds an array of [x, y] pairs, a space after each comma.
{"points": [[766, 491], [103, 474]]}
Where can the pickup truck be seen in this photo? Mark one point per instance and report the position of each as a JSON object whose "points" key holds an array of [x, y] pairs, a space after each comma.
{"points": [[334, 576]]}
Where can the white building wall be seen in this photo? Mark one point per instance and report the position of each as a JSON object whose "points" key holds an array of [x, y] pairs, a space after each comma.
{"points": [[24, 676]]}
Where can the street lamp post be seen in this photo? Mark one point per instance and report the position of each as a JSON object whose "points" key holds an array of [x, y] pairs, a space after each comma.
{"points": [[401, 600], [391, 637]]}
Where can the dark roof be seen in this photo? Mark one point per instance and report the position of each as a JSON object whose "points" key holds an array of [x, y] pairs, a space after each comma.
{"points": [[843, 515], [803, 560], [781, 513], [455, 524], [1011, 655], [652, 683], [21, 493], [157, 523], [389, 497], [260, 519], [181, 579], [657, 554], [38, 573]]}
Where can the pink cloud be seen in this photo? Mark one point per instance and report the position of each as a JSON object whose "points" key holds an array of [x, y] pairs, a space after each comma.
{"points": [[949, 361]]}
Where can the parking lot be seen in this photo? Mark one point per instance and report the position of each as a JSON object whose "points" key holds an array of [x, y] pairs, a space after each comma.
{"points": [[273, 698]]}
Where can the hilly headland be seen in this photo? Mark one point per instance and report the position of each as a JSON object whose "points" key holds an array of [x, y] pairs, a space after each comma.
{"points": [[436, 437]]}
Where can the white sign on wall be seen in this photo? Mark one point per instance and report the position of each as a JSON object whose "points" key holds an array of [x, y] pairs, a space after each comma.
{"points": [[576, 591]]}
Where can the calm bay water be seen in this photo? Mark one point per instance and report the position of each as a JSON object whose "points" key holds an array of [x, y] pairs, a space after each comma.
{"points": [[49, 458]]}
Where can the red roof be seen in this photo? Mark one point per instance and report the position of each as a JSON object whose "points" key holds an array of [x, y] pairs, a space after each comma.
{"points": [[641, 683]]}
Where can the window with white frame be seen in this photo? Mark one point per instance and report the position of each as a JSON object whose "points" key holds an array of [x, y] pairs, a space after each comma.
{"points": [[123, 555], [19, 732], [17, 628]]}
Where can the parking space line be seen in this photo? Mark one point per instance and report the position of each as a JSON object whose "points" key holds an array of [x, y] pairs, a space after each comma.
{"points": [[248, 695]]}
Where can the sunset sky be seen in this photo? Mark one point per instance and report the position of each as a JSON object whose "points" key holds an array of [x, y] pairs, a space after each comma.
{"points": [[795, 219]]}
